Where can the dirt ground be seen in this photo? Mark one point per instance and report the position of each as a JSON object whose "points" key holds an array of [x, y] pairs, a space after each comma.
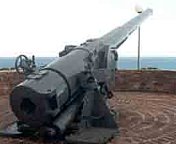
{"points": [[144, 118]]}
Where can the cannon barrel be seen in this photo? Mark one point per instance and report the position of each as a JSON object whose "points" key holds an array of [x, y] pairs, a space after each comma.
{"points": [[40, 99], [117, 36]]}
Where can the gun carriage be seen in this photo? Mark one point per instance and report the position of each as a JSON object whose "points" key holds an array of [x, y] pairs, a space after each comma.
{"points": [[71, 92]]}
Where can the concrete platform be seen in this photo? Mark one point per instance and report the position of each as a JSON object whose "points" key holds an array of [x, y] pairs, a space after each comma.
{"points": [[144, 118], [92, 136]]}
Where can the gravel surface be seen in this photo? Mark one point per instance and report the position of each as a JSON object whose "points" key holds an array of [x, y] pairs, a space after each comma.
{"points": [[144, 118]]}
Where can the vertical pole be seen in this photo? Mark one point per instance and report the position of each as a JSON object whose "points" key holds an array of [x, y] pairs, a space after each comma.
{"points": [[139, 45]]}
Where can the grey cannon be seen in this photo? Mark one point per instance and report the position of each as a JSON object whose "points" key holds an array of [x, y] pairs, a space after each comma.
{"points": [[73, 88]]}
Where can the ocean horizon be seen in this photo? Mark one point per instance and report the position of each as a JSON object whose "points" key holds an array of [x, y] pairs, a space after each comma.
{"points": [[163, 63]]}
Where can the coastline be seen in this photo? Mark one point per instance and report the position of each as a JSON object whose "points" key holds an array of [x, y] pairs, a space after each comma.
{"points": [[162, 63]]}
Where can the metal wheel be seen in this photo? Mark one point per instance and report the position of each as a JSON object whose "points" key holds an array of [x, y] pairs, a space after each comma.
{"points": [[20, 63]]}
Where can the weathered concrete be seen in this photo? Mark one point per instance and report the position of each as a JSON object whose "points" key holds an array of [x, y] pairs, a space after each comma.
{"points": [[8, 79], [126, 80], [146, 81]]}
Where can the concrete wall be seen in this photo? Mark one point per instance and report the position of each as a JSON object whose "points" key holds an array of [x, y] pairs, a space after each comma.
{"points": [[150, 81], [8, 79]]}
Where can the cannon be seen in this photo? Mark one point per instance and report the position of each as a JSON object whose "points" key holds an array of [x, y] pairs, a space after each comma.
{"points": [[68, 96]]}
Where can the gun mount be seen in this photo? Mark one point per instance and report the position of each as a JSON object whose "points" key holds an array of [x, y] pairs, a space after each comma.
{"points": [[70, 92]]}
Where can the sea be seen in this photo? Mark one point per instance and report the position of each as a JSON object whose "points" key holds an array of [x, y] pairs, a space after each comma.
{"points": [[162, 63]]}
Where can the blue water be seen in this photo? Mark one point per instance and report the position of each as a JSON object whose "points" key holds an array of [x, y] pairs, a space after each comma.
{"points": [[9, 62], [168, 63]]}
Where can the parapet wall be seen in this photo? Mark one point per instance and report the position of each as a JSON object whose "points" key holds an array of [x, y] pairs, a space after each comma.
{"points": [[126, 80], [144, 80], [8, 79]]}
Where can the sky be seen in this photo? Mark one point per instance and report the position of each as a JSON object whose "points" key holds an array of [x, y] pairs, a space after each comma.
{"points": [[44, 27]]}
